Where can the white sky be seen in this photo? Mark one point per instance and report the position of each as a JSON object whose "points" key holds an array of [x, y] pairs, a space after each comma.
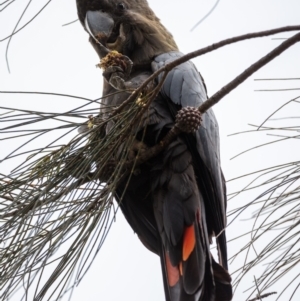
{"points": [[47, 57]]}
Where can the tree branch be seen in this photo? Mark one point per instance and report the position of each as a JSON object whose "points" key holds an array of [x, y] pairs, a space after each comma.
{"points": [[248, 72], [202, 51], [175, 131]]}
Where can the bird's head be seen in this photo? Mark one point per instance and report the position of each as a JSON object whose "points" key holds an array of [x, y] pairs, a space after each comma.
{"points": [[127, 26]]}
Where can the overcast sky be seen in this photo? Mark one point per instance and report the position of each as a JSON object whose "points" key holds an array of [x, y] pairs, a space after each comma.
{"points": [[47, 57]]}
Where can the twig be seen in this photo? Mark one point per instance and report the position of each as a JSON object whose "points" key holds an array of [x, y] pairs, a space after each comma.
{"points": [[205, 50], [258, 292], [174, 132], [248, 72], [263, 296]]}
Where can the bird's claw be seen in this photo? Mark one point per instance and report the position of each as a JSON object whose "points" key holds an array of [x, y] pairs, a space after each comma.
{"points": [[117, 68]]}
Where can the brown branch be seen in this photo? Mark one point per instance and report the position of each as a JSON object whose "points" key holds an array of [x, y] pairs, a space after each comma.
{"points": [[199, 52], [155, 150], [174, 132], [248, 72]]}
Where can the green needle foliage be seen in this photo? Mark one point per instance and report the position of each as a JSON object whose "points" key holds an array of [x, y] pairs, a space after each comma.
{"points": [[275, 236], [55, 208]]}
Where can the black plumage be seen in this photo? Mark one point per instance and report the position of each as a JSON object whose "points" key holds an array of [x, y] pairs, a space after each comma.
{"points": [[177, 202]]}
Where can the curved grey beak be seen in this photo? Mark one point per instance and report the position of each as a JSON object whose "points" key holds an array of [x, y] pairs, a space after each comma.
{"points": [[99, 25]]}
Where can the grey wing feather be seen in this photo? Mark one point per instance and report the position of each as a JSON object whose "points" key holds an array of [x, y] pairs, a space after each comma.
{"points": [[184, 87]]}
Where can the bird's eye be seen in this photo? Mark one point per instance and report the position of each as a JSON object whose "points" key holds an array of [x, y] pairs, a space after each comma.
{"points": [[121, 6]]}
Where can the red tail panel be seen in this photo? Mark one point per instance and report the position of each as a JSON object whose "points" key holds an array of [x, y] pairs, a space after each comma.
{"points": [[189, 242]]}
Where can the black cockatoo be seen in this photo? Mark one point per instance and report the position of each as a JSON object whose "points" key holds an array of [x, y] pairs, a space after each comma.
{"points": [[177, 203]]}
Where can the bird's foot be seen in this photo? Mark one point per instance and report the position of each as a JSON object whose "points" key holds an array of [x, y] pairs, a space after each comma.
{"points": [[137, 149], [117, 68]]}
